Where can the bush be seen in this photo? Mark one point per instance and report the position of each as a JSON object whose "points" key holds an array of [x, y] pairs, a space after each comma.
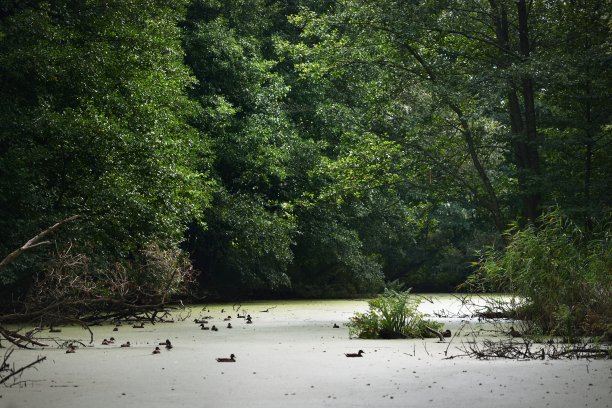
{"points": [[392, 315], [562, 274]]}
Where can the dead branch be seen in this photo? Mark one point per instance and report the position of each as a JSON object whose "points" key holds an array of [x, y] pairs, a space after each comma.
{"points": [[34, 242], [528, 350], [7, 371], [19, 340], [435, 332]]}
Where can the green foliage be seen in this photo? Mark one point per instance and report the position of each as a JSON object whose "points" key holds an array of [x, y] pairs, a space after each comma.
{"points": [[318, 148], [392, 313], [563, 275], [93, 121], [245, 247]]}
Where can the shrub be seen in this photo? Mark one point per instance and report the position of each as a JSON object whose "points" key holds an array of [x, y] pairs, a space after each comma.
{"points": [[562, 274], [391, 315]]}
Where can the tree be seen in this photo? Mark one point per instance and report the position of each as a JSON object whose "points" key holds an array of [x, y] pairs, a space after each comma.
{"points": [[93, 120]]}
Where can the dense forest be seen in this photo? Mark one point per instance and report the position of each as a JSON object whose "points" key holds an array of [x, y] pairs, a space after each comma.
{"points": [[301, 148]]}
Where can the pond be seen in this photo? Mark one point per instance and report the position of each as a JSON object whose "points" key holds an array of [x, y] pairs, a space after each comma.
{"points": [[292, 356]]}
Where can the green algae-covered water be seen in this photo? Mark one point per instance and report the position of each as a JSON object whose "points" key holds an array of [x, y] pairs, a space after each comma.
{"points": [[292, 356]]}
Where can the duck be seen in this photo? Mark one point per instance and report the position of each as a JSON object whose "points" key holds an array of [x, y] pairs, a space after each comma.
{"points": [[105, 342], [168, 345], [204, 327], [514, 333], [336, 326], [231, 359], [227, 318], [71, 349], [111, 340], [157, 350], [229, 325], [116, 329], [214, 328], [249, 321], [201, 321], [358, 354], [446, 333], [138, 326], [126, 344]]}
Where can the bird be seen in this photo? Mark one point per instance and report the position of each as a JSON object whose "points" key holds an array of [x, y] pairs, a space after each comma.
{"points": [[204, 327], [229, 325], [116, 329], [168, 345], [138, 326], [227, 318], [71, 349], [514, 333], [157, 350], [126, 344], [336, 326], [111, 340], [446, 333], [165, 343], [231, 359], [358, 354], [105, 342], [214, 328]]}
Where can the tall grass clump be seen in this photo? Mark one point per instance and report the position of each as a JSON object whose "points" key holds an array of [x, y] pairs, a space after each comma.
{"points": [[563, 274], [392, 314]]}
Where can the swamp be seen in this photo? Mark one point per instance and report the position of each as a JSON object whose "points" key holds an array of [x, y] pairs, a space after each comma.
{"points": [[294, 203], [292, 356]]}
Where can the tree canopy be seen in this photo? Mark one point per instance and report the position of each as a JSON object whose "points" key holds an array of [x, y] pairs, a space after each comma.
{"points": [[299, 147]]}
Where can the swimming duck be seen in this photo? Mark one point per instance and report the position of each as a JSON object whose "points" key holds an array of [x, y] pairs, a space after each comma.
{"points": [[358, 354], [105, 342], [227, 318], [126, 344], [204, 327], [249, 321], [336, 326], [214, 328], [116, 329], [514, 333], [232, 359], [111, 340], [446, 333], [168, 345], [71, 349], [157, 350], [229, 325], [138, 326]]}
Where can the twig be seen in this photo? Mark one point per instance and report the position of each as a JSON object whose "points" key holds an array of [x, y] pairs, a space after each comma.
{"points": [[12, 372]]}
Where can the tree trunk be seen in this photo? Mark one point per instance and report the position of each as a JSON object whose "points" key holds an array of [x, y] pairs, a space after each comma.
{"points": [[523, 125]]}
